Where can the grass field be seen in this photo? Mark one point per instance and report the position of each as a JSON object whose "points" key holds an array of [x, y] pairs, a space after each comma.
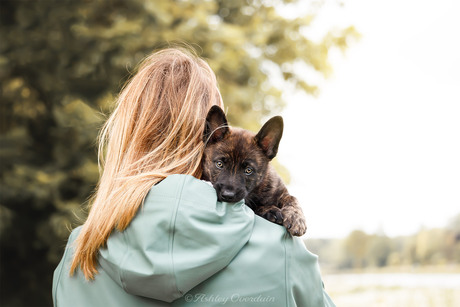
{"points": [[393, 290]]}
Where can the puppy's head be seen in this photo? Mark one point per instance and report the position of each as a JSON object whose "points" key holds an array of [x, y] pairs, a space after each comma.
{"points": [[235, 160]]}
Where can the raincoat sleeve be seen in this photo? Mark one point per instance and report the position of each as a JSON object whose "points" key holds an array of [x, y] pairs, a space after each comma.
{"points": [[180, 237]]}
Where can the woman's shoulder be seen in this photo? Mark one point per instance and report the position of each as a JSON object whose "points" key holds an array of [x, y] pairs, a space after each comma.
{"points": [[179, 185], [194, 197]]}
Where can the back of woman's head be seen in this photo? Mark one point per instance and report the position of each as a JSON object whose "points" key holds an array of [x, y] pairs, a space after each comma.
{"points": [[160, 115], [155, 131]]}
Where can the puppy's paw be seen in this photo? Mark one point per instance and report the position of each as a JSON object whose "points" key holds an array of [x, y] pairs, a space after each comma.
{"points": [[272, 214], [294, 221], [293, 218]]}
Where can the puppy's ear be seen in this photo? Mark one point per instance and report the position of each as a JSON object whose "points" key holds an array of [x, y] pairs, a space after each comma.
{"points": [[216, 125], [269, 136]]}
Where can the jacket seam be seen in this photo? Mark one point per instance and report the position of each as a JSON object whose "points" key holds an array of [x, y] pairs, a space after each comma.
{"points": [[286, 267], [123, 259], [173, 233]]}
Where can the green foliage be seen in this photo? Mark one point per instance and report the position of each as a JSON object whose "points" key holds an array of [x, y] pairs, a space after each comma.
{"points": [[62, 62]]}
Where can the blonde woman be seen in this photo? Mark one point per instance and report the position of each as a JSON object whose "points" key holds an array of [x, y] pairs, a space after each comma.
{"points": [[156, 235]]}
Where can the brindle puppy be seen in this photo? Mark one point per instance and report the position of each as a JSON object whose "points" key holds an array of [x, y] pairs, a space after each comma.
{"points": [[236, 162]]}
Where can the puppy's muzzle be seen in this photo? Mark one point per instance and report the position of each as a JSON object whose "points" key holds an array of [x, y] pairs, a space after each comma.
{"points": [[228, 196]]}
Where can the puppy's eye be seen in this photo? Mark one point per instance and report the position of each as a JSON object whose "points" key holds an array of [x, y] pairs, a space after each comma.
{"points": [[248, 171], [219, 164]]}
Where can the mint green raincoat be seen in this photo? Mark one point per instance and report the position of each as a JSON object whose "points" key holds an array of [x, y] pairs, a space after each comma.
{"points": [[184, 248]]}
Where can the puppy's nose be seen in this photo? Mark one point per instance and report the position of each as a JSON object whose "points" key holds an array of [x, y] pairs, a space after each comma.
{"points": [[227, 195]]}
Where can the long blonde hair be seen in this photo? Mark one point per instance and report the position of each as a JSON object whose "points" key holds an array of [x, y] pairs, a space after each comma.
{"points": [[155, 131]]}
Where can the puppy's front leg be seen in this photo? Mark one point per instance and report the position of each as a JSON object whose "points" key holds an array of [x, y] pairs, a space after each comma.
{"points": [[293, 218], [287, 213]]}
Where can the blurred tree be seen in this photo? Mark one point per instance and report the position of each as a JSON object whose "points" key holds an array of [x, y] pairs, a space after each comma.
{"points": [[428, 247], [452, 249], [378, 250], [430, 244], [61, 62], [355, 249]]}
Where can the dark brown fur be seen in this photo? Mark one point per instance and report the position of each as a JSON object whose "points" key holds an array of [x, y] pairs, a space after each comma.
{"points": [[236, 162]]}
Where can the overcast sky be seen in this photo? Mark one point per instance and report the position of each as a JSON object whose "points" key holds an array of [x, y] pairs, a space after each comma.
{"points": [[379, 148]]}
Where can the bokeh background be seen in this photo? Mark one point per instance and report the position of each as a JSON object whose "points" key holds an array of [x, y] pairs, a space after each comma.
{"points": [[324, 65]]}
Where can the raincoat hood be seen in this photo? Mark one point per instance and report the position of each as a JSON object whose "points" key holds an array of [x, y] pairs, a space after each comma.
{"points": [[200, 234]]}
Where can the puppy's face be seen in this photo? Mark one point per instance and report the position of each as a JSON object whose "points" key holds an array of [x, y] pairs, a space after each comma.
{"points": [[234, 165], [236, 160]]}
